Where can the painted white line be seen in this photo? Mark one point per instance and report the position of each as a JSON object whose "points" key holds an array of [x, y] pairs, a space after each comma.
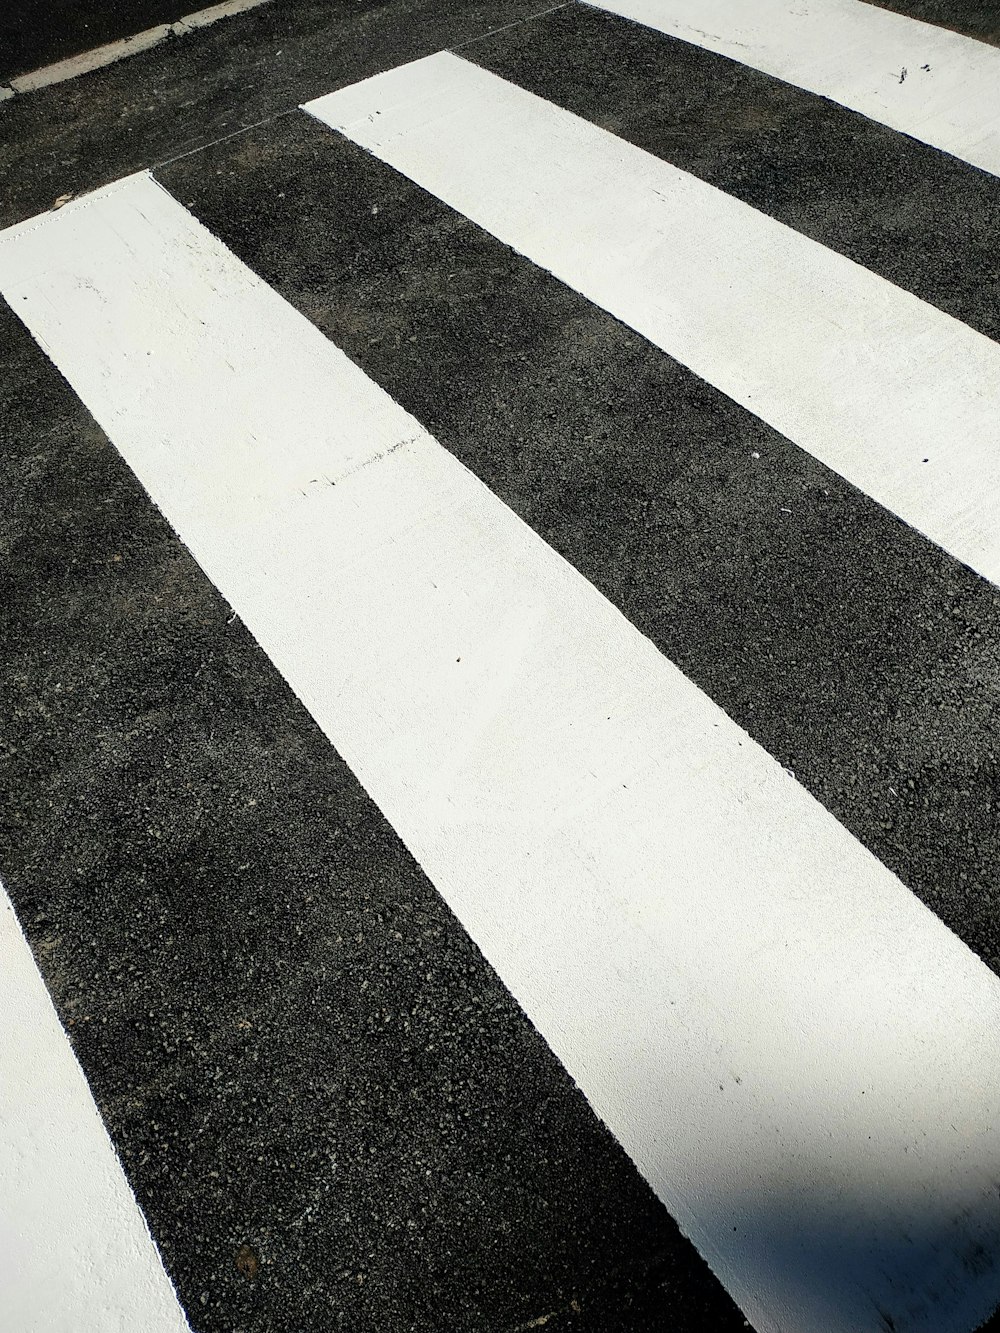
{"points": [[90, 60], [801, 1059], [74, 1249], [896, 396], [203, 18], [934, 85], [100, 56]]}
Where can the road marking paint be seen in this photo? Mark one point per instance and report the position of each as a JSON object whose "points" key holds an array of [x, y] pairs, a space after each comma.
{"points": [[895, 395], [204, 18], [932, 84], [74, 1249], [89, 60], [800, 1058], [100, 56]]}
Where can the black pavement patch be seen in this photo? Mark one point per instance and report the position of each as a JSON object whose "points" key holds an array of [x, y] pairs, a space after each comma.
{"points": [[859, 654], [920, 218], [75, 136], [332, 1112]]}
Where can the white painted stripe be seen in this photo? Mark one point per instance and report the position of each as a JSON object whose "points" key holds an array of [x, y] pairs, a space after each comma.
{"points": [[801, 1059], [934, 85], [126, 46], [896, 396], [74, 1249]]}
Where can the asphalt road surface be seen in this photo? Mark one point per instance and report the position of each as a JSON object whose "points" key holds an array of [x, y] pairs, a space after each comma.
{"points": [[500, 545]]}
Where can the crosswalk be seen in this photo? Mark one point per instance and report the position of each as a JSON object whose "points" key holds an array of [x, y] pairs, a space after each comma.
{"points": [[564, 676]]}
